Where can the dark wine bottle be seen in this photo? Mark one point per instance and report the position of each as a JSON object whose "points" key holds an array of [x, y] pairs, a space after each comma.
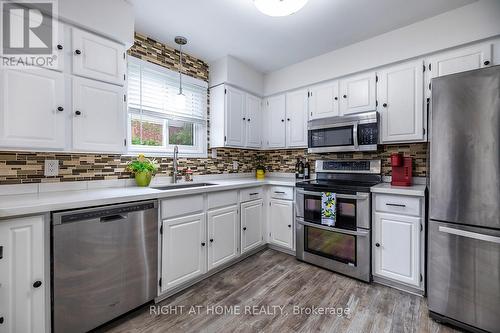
{"points": [[301, 169], [307, 170], [297, 169]]}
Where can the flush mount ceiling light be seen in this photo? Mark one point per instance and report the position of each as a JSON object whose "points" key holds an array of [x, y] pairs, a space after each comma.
{"points": [[279, 7]]}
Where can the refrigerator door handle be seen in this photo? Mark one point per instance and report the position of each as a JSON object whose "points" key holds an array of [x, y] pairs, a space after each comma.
{"points": [[468, 234]]}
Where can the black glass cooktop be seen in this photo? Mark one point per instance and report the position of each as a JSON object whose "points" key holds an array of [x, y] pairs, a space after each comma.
{"points": [[338, 186]]}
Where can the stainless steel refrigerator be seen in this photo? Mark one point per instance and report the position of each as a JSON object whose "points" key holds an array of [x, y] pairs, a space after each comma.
{"points": [[464, 219]]}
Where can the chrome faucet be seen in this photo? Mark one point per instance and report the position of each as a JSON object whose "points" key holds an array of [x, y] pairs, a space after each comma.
{"points": [[175, 173]]}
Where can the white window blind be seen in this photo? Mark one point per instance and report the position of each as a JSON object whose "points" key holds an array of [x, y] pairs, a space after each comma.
{"points": [[158, 119], [154, 90]]}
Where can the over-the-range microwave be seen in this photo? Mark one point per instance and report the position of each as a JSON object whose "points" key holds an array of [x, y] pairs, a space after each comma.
{"points": [[347, 133]]}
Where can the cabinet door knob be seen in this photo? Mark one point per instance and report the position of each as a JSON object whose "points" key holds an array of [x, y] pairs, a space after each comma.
{"points": [[244, 228], [345, 96], [78, 52], [211, 240], [203, 244], [1, 320], [288, 119], [289, 226], [60, 108], [282, 120], [59, 47], [336, 98], [244, 118], [487, 62], [384, 105], [248, 119], [78, 113], [37, 284], [377, 244]]}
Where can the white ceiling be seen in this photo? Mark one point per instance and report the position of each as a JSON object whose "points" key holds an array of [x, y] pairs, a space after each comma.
{"points": [[216, 28]]}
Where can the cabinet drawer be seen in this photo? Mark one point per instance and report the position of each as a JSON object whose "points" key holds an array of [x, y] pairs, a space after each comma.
{"points": [[181, 206], [398, 204], [281, 192], [249, 194], [222, 199]]}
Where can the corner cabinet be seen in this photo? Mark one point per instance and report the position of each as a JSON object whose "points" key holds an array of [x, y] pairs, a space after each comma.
{"points": [[401, 103], [235, 118], [24, 275], [398, 241]]}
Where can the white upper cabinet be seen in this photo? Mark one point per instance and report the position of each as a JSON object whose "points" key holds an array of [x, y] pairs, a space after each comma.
{"points": [[223, 230], [235, 117], [98, 58], [401, 102], [281, 223], [460, 60], [183, 250], [24, 280], [98, 116], [397, 248], [275, 115], [32, 109], [254, 121], [358, 93], [296, 119], [324, 100]]}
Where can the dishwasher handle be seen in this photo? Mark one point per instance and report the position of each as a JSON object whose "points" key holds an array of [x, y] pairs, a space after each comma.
{"points": [[112, 218]]}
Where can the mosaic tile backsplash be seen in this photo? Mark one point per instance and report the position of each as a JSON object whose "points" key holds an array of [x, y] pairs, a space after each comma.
{"points": [[26, 167]]}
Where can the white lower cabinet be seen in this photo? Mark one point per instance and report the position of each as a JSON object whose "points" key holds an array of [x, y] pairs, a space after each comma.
{"points": [[24, 289], [397, 248], [252, 235], [281, 223], [183, 250], [223, 230], [398, 242]]}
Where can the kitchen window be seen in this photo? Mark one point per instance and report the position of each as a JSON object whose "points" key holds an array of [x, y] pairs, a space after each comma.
{"points": [[158, 119]]}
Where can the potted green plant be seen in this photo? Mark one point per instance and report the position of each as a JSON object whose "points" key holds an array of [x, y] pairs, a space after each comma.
{"points": [[143, 169]]}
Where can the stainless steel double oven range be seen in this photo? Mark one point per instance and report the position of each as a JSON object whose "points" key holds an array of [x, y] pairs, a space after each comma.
{"points": [[344, 247]]}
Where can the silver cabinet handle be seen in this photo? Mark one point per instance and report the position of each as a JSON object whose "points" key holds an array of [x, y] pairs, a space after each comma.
{"points": [[469, 234], [395, 205]]}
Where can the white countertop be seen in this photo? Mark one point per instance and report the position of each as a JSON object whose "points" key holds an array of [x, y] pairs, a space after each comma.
{"points": [[387, 188], [42, 202]]}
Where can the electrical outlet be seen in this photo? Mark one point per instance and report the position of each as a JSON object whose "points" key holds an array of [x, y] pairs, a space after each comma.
{"points": [[51, 168], [235, 165]]}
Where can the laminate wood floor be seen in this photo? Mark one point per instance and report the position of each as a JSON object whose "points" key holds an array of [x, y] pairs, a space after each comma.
{"points": [[271, 278]]}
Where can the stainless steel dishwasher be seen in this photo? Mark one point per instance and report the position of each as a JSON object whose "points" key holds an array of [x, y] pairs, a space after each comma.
{"points": [[104, 263]]}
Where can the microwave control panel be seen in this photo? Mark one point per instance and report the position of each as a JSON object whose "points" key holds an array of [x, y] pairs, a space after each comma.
{"points": [[368, 134]]}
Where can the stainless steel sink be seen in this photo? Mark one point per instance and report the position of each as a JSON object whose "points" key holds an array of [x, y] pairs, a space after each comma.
{"points": [[180, 186]]}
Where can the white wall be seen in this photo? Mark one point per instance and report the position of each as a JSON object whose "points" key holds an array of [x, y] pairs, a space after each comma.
{"points": [[477, 21], [111, 18], [235, 72]]}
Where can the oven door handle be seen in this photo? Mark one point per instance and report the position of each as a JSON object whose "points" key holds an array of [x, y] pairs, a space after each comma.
{"points": [[358, 196], [342, 231]]}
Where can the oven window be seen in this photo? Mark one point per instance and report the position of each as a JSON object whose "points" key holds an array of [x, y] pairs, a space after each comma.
{"points": [[330, 244], [331, 137], [312, 208], [346, 214]]}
